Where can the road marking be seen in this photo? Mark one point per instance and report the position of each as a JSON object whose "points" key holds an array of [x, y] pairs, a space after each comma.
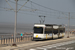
{"points": [[64, 48], [32, 49], [55, 45]]}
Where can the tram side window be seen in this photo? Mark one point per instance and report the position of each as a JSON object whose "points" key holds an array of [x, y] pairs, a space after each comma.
{"points": [[55, 31], [62, 30], [48, 30]]}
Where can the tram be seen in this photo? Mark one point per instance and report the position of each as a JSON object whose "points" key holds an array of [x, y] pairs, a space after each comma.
{"points": [[48, 31]]}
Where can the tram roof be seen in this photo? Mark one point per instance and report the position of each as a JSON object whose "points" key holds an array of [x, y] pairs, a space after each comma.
{"points": [[52, 25], [48, 24]]}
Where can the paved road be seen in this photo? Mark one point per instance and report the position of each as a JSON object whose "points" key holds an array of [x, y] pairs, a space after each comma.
{"points": [[69, 45], [47, 44], [65, 47]]}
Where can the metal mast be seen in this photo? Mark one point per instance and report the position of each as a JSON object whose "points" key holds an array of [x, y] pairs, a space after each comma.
{"points": [[14, 44], [68, 25]]}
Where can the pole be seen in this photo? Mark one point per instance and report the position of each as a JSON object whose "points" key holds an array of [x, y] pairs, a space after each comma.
{"points": [[15, 25], [68, 25]]}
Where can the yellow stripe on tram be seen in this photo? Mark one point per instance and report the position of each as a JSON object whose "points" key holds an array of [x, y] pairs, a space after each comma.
{"points": [[46, 36]]}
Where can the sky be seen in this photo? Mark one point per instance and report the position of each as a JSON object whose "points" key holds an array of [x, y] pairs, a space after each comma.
{"points": [[52, 9]]}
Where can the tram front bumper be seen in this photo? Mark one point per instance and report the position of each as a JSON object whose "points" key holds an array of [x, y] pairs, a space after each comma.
{"points": [[34, 38]]}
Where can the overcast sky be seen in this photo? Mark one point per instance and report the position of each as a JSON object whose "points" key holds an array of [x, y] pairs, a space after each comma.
{"points": [[29, 16]]}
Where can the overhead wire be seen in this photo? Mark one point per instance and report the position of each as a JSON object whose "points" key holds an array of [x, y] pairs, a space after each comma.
{"points": [[48, 8], [33, 12], [27, 13], [9, 4], [38, 5], [31, 8], [56, 11], [45, 7]]}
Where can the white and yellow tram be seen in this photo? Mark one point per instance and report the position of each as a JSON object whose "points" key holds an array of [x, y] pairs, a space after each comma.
{"points": [[47, 31]]}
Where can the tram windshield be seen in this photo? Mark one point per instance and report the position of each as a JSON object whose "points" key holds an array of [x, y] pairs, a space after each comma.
{"points": [[38, 29]]}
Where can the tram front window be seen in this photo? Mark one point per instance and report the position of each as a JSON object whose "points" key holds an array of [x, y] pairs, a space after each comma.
{"points": [[38, 30]]}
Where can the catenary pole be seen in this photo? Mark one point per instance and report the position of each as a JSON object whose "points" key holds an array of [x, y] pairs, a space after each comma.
{"points": [[14, 44], [68, 25]]}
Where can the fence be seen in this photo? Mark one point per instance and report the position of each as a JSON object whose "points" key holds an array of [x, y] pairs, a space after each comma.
{"points": [[10, 40]]}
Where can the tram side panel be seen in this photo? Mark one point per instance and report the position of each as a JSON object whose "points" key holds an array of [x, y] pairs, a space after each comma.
{"points": [[62, 32], [38, 36], [48, 32], [55, 31]]}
